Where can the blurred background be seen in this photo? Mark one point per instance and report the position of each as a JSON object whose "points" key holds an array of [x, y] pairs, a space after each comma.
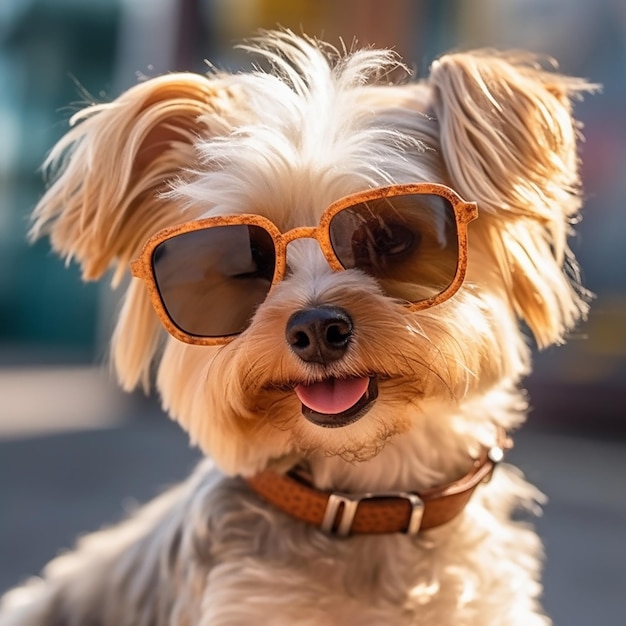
{"points": [[75, 452]]}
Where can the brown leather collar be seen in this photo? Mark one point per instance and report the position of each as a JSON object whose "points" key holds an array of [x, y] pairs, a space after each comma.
{"points": [[343, 514]]}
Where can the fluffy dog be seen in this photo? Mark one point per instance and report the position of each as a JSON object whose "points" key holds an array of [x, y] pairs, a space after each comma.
{"points": [[347, 263]]}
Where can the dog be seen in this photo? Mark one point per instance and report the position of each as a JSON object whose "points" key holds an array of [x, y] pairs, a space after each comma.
{"points": [[337, 272]]}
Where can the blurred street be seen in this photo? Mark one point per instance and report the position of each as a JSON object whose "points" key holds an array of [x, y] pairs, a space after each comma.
{"points": [[95, 469]]}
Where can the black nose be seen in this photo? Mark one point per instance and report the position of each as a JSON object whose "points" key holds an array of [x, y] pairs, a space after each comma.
{"points": [[319, 334]]}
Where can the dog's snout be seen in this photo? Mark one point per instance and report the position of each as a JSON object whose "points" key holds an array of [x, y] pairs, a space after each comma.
{"points": [[319, 334]]}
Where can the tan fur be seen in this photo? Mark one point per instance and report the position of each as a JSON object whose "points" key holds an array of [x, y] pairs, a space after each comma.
{"points": [[285, 144]]}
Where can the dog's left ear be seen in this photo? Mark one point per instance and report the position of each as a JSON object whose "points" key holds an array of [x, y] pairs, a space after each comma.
{"points": [[509, 142], [111, 176], [111, 169]]}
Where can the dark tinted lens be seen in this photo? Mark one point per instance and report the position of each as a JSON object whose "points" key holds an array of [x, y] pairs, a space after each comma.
{"points": [[212, 280], [409, 243]]}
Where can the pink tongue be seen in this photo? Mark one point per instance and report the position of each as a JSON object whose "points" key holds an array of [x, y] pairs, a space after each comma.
{"points": [[333, 395]]}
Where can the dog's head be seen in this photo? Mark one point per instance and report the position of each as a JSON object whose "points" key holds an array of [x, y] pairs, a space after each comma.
{"points": [[321, 267]]}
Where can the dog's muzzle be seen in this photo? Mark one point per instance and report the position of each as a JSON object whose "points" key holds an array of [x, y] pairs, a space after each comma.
{"points": [[322, 335]]}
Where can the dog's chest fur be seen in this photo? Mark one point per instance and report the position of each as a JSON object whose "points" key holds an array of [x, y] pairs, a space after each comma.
{"points": [[212, 555]]}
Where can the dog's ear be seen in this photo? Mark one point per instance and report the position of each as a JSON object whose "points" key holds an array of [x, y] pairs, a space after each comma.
{"points": [[109, 171], [110, 176], [510, 143]]}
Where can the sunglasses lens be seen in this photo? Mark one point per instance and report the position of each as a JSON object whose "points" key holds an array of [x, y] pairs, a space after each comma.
{"points": [[212, 280], [409, 243]]}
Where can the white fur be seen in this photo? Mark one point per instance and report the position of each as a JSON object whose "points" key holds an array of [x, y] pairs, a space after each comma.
{"points": [[285, 144]]}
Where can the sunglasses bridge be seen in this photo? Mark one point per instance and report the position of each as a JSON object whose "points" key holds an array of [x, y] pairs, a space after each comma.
{"points": [[318, 233]]}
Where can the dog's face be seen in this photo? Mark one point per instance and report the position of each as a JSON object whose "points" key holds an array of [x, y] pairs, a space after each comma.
{"points": [[344, 350]]}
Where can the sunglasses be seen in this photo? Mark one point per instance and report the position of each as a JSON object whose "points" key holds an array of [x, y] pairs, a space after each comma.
{"points": [[206, 278]]}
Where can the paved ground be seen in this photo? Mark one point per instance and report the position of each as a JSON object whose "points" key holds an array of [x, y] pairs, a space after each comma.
{"points": [[59, 478]]}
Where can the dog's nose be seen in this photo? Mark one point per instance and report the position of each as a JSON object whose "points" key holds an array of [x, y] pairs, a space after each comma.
{"points": [[319, 334]]}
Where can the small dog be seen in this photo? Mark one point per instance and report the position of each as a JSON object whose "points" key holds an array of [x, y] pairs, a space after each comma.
{"points": [[344, 261]]}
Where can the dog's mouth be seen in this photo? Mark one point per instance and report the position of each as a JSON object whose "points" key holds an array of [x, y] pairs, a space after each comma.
{"points": [[337, 402]]}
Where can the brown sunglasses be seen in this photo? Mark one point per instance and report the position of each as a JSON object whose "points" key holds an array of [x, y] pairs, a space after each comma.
{"points": [[206, 278]]}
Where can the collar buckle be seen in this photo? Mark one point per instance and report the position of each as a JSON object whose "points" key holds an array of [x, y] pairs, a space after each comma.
{"points": [[342, 509]]}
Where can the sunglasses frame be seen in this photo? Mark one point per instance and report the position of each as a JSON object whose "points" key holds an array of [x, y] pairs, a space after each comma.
{"points": [[141, 267]]}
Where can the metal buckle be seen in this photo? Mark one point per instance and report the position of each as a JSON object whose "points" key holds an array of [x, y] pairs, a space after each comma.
{"points": [[346, 505]]}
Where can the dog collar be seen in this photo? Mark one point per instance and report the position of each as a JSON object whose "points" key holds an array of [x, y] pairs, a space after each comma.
{"points": [[343, 514]]}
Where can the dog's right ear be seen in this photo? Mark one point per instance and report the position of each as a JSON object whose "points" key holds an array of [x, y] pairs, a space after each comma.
{"points": [[110, 170], [109, 175]]}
